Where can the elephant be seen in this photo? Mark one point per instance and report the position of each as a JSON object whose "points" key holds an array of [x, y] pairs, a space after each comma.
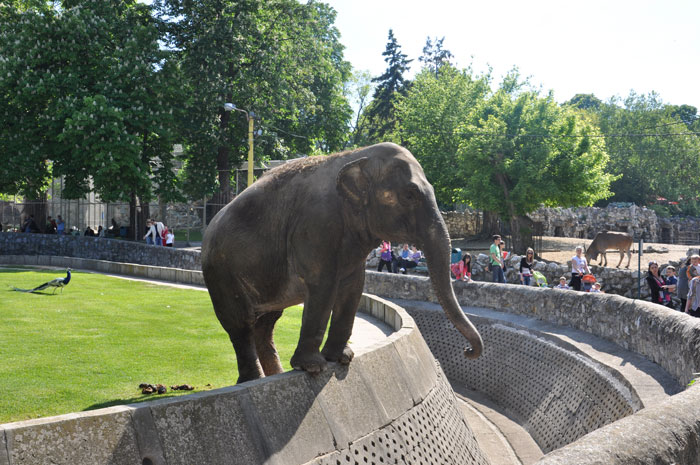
{"points": [[302, 233]]}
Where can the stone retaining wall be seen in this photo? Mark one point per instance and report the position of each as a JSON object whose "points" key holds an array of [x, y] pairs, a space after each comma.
{"points": [[393, 404], [98, 248], [663, 434]]}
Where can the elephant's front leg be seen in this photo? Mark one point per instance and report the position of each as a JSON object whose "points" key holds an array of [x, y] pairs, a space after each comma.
{"points": [[317, 310], [336, 348]]}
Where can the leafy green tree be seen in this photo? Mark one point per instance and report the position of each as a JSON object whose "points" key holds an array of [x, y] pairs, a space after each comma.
{"points": [[431, 112], [520, 151], [651, 149], [380, 114], [585, 102], [434, 55], [357, 90], [279, 60], [102, 120]]}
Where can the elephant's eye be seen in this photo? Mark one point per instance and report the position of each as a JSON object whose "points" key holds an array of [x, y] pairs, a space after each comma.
{"points": [[412, 194]]}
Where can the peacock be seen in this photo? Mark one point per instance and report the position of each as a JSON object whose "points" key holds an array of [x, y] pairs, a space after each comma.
{"points": [[55, 283]]}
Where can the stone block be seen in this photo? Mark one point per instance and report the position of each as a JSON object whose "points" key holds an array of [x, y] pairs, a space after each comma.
{"points": [[348, 403], [385, 378], [211, 427], [103, 436], [419, 362], [4, 458], [291, 419]]}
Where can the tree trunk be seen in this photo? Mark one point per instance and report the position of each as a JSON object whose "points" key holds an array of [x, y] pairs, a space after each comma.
{"points": [[521, 232], [37, 207], [491, 224]]}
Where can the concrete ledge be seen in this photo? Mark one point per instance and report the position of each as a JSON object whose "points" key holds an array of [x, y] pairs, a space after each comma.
{"points": [[393, 401], [665, 433]]}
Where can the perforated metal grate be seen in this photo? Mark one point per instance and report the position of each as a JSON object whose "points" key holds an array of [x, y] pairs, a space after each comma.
{"points": [[431, 433], [558, 394]]}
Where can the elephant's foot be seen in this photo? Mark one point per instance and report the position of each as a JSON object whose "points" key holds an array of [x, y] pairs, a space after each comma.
{"points": [[342, 355], [313, 362], [249, 373]]}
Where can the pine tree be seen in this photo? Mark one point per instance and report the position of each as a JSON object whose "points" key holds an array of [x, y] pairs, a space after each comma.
{"points": [[434, 56], [381, 112]]}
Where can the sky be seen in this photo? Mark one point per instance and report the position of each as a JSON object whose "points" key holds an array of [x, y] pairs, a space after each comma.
{"points": [[606, 48]]}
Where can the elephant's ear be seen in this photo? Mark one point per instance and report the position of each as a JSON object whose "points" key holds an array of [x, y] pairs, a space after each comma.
{"points": [[352, 182]]}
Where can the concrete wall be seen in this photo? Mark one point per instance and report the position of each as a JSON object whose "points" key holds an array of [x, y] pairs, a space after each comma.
{"points": [[668, 338], [393, 404], [666, 433], [98, 248]]}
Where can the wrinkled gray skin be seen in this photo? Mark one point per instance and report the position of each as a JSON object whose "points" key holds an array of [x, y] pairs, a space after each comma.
{"points": [[302, 233]]}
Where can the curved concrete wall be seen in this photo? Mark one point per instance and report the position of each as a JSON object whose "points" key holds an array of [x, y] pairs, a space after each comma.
{"points": [[666, 433], [668, 338], [392, 404], [557, 393]]}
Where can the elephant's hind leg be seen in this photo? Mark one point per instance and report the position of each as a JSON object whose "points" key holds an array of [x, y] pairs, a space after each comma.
{"points": [[265, 344], [235, 312]]}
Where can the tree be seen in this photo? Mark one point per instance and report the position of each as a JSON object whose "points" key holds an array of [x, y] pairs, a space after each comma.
{"points": [[585, 102], [280, 60], [651, 149], [520, 151], [357, 90], [430, 113], [434, 56], [102, 120], [380, 113]]}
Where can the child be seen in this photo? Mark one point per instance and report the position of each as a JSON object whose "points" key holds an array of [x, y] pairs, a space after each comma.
{"points": [[562, 284], [596, 288]]}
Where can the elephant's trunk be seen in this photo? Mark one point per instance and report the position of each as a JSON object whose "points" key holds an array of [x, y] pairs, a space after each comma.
{"points": [[437, 254]]}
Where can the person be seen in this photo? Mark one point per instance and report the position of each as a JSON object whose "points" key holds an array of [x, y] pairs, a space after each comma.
{"points": [[169, 238], [89, 232], [694, 267], [50, 225], [671, 282], [596, 288], [526, 264], [399, 263], [100, 231], [385, 256], [30, 225], [60, 226], [497, 262], [562, 284], [682, 285], [579, 267], [692, 305], [657, 286], [160, 227], [414, 258], [463, 268], [150, 232]]}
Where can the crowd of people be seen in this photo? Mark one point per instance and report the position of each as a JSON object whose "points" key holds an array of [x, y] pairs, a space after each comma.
{"points": [[156, 232], [408, 258], [663, 285]]}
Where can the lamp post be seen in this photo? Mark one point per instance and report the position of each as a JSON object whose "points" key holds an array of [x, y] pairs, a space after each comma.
{"points": [[249, 117]]}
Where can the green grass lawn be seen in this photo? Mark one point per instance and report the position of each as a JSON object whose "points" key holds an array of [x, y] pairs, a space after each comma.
{"points": [[92, 345]]}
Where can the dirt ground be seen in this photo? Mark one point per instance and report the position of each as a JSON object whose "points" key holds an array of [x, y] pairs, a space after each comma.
{"points": [[561, 249]]}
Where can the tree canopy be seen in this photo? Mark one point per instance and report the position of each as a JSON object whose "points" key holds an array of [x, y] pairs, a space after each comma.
{"points": [[520, 150]]}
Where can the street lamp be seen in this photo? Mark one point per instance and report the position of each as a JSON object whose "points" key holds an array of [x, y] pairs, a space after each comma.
{"points": [[249, 117]]}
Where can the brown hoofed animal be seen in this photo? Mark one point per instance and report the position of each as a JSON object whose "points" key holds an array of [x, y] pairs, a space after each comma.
{"points": [[610, 240], [302, 233]]}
